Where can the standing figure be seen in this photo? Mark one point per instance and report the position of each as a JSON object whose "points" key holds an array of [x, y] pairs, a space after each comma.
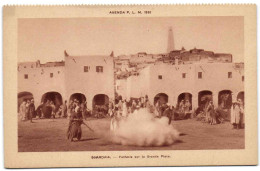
{"points": [[124, 111], [110, 108], [241, 107], [162, 109], [27, 109], [168, 112], [142, 102], [187, 106], [64, 109], [31, 110], [39, 112], [147, 103], [220, 113], [206, 111], [53, 107], [78, 109], [83, 107], [138, 103], [237, 112], [70, 109], [114, 123], [181, 106], [120, 107], [157, 108], [74, 128], [22, 110], [212, 114], [133, 106]]}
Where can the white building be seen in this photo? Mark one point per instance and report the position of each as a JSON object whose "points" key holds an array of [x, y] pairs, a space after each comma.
{"points": [[192, 81], [89, 78]]}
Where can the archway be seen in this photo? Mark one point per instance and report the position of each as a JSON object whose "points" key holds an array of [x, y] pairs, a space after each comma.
{"points": [[241, 95], [161, 97], [203, 97], [100, 100], [49, 97], [225, 99], [23, 96], [187, 98], [79, 96]]}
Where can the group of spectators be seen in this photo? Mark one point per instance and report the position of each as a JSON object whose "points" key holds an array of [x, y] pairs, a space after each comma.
{"points": [[205, 112], [209, 114], [182, 110], [184, 106], [27, 110], [100, 111], [76, 107], [126, 107], [48, 109]]}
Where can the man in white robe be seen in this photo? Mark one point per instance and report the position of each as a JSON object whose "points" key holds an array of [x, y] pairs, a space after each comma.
{"points": [[22, 110], [237, 112]]}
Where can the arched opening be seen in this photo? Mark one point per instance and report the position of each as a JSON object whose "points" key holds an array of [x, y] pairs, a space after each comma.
{"points": [[225, 99], [161, 97], [24, 96], [100, 105], [78, 96], [186, 99], [204, 97], [47, 100], [100, 100], [241, 95]]}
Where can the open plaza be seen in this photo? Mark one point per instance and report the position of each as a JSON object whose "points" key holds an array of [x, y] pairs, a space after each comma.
{"points": [[45, 135]]}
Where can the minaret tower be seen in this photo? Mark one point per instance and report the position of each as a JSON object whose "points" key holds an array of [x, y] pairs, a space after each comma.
{"points": [[170, 41]]}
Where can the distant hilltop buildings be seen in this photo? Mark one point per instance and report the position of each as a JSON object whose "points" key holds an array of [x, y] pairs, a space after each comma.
{"points": [[126, 65]]}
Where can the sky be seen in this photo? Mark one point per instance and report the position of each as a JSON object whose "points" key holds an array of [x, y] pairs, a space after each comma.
{"points": [[46, 39]]}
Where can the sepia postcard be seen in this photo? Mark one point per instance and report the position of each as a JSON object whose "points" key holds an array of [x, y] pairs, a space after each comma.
{"points": [[129, 85]]}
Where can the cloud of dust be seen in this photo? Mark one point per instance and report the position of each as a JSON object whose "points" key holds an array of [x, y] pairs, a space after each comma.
{"points": [[142, 129]]}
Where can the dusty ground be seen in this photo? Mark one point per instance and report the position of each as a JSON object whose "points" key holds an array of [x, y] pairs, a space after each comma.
{"points": [[50, 135]]}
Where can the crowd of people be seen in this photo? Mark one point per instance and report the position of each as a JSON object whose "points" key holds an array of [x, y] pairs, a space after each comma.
{"points": [[123, 108], [206, 112], [182, 110], [184, 107], [209, 114], [100, 111], [27, 110], [126, 107]]}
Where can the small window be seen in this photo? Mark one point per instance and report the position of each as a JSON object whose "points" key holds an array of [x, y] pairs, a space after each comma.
{"points": [[31, 66], [183, 75], [229, 74], [243, 78], [51, 75], [86, 68], [159, 77], [24, 66], [58, 72], [25, 76], [99, 69], [200, 75]]}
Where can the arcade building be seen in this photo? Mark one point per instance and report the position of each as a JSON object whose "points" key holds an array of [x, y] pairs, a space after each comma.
{"points": [[86, 78]]}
